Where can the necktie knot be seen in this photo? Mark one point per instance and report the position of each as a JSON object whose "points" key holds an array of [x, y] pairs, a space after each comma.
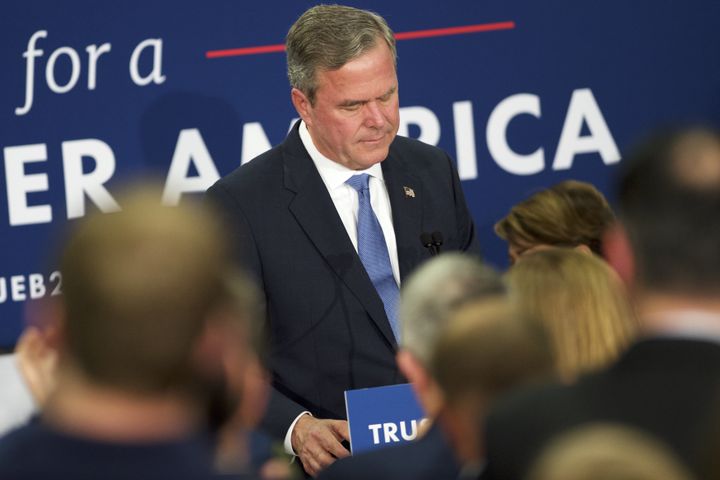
{"points": [[359, 182]]}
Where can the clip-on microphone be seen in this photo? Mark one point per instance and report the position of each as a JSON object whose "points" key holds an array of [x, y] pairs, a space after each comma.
{"points": [[432, 242]]}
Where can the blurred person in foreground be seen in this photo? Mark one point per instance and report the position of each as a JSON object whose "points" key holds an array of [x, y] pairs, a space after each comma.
{"points": [[142, 332], [329, 222], [570, 214], [582, 304], [27, 376], [666, 383], [487, 350], [607, 452], [429, 299]]}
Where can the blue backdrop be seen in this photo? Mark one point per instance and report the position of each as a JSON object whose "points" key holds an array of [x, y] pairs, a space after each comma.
{"points": [[94, 93]]}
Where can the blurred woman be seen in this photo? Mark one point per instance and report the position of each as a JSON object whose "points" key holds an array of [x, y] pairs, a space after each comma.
{"points": [[570, 214], [580, 301]]}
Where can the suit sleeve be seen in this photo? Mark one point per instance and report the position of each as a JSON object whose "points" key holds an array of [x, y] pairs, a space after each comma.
{"points": [[281, 411], [466, 226]]}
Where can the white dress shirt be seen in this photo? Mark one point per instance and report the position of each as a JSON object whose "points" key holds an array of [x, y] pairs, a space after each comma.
{"points": [[345, 199]]}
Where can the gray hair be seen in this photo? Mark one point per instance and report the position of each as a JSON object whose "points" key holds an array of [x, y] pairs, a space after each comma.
{"points": [[327, 37], [436, 291]]}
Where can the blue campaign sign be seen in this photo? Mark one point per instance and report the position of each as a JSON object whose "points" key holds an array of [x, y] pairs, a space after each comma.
{"points": [[382, 416]]}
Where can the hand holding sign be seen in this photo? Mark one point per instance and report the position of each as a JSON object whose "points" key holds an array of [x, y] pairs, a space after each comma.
{"points": [[318, 442]]}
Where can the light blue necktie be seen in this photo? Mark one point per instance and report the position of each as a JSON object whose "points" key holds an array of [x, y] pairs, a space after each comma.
{"points": [[374, 253]]}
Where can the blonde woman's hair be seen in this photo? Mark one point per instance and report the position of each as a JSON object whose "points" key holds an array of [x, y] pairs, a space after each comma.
{"points": [[568, 214], [580, 301]]}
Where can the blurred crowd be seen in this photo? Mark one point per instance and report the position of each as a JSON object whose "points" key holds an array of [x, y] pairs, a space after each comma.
{"points": [[595, 356]]}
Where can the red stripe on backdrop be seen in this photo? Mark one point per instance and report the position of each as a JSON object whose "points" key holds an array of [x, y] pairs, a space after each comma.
{"points": [[446, 32], [435, 32]]}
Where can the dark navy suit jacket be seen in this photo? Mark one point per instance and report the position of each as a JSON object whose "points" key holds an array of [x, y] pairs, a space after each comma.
{"points": [[327, 326]]}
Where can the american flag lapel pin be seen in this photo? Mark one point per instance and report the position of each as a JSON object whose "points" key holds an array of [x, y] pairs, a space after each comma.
{"points": [[409, 192]]}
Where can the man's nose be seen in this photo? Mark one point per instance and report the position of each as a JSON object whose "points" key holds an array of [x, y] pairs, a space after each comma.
{"points": [[374, 115]]}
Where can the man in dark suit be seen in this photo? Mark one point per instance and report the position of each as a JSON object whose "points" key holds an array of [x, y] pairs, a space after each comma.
{"points": [[667, 382], [329, 221], [429, 298]]}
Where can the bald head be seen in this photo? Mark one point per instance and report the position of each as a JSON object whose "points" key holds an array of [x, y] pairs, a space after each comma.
{"points": [[696, 160]]}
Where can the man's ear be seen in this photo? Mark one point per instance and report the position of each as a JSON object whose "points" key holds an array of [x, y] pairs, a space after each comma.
{"points": [[618, 253], [411, 368], [423, 385], [302, 105]]}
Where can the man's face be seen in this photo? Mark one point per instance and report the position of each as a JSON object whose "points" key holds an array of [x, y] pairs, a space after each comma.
{"points": [[355, 115]]}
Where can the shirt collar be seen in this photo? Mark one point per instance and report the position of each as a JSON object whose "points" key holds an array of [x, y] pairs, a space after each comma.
{"points": [[333, 173]]}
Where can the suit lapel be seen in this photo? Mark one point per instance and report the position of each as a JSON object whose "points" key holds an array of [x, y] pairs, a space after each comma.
{"points": [[314, 210], [406, 197]]}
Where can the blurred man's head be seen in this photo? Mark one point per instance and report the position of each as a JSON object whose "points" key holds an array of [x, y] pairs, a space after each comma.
{"points": [[229, 370], [669, 198], [428, 300], [487, 349], [607, 452], [138, 287]]}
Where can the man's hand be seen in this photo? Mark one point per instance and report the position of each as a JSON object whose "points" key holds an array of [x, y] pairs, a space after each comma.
{"points": [[36, 357], [317, 442]]}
